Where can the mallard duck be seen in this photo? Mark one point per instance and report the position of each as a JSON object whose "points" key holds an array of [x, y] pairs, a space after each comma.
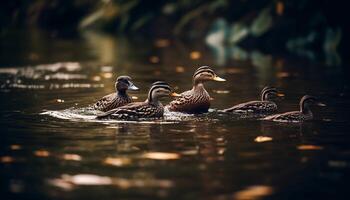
{"points": [[265, 105], [151, 108], [119, 98], [196, 100], [297, 116]]}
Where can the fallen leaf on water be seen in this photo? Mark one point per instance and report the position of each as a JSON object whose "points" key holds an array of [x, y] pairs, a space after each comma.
{"points": [[42, 153], [161, 156], [74, 157], [263, 139], [195, 55], [15, 147], [6, 159], [154, 59], [117, 161], [253, 192], [309, 147], [179, 69]]}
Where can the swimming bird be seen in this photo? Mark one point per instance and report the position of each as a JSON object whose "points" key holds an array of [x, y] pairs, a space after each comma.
{"points": [[196, 100], [265, 105], [297, 116], [151, 108], [119, 98]]}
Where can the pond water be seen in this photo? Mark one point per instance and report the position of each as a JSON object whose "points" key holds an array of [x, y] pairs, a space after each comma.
{"points": [[52, 149]]}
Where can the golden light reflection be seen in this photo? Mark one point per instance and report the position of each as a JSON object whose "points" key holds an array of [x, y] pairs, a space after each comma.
{"points": [[107, 75], [96, 78], [161, 156], [221, 91], [154, 59], [6, 159], [179, 69], [15, 147], [161, 43], [253, 192], [134, 97], [280, 8], [41, 153], [195, 55], [74, 157], [117, 161], [309, 147], [263, 139]]}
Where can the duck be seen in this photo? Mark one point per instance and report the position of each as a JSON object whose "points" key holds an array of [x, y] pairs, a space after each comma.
{"points": [[264, 105], [303, 114], [196, 100], [119, 98], [150, 108]]}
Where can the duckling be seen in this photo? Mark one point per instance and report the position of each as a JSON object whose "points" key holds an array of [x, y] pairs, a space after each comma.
{"points": [[151, 108], [196, 100], [297, 116], [265, 105], [119, 98]]}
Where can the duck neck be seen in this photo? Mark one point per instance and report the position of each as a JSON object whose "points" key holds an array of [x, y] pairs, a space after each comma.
{"points": [[304, 108], [198, 86], [121, 93]]}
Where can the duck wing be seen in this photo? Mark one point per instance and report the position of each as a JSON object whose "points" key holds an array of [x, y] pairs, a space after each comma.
{"points": [[110, 102]]}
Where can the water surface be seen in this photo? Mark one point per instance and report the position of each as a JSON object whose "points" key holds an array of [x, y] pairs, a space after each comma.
{"points": [[212, 156]]}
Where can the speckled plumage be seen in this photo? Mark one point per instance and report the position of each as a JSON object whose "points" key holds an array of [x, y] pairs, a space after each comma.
{"points": [[112, 101], [117, 99], [196, 100], [151, 108], [297, 116], [253, 107], [265, 105]]}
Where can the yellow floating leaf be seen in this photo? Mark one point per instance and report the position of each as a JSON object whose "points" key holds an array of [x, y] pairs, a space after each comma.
{"points": [[74, 157], [253, 192], [161, 156], [195, 55], [263, 139], [117, 161], [309, 147], [42, 153]]}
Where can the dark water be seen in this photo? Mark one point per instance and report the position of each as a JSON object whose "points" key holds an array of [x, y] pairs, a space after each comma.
{"points": [[65, 155]]}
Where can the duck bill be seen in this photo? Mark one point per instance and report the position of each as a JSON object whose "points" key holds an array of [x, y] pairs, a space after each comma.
{"points": [[280, 95], [216, 78], [174, 94], [321, 104], [132, 87]]}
